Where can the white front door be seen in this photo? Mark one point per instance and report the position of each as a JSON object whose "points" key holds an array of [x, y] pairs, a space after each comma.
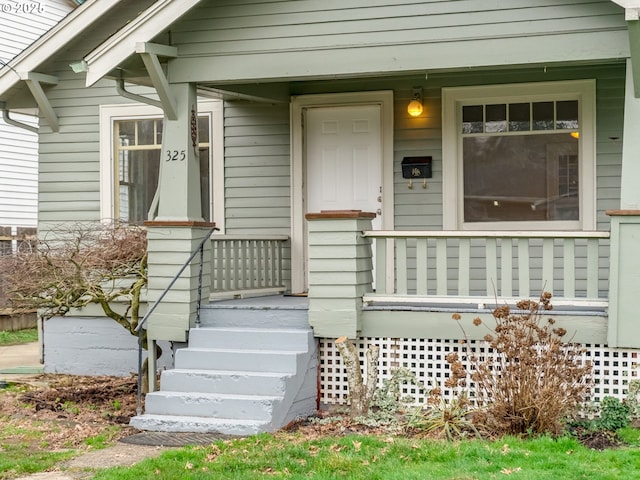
{"points": [[344, 159], [341, 156]]}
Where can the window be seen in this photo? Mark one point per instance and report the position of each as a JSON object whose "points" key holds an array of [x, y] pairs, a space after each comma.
{"points": [[519, 156], [131, 145]]}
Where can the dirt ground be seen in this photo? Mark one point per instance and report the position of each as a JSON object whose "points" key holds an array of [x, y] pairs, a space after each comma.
{"points": [[60, 412], [67, 410]]}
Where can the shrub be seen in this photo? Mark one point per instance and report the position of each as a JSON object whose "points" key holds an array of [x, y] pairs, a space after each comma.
{"points": [[613, 414], [533, 380]]}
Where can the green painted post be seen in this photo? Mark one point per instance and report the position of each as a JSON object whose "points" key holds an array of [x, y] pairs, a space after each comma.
{"points": [[178, 227], [339, 271], [624, 280]]}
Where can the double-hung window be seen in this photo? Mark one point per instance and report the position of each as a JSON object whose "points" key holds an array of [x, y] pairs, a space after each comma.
{"points": [[131, 148], [519, 156]]}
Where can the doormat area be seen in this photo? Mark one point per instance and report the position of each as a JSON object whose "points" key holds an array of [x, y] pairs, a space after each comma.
{"points": [[174, 439]]}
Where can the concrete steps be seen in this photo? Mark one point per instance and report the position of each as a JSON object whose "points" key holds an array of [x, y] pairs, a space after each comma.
{"points": [[241, 374]]}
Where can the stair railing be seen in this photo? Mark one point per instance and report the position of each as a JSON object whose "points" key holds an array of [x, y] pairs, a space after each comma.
{"points": [[199, 249]]}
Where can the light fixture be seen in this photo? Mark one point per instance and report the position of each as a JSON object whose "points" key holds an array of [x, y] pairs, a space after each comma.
{"points": [[415, 105], [79, 67], [575, 135]]}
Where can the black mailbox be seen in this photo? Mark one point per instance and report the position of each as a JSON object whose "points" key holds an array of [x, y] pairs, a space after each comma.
{"points": [[416, 167]]}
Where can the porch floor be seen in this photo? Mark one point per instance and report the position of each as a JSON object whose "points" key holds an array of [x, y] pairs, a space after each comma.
{"points": [[455, 305], [270, 302]]}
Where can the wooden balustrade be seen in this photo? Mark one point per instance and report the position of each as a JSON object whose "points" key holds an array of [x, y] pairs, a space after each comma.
{"points": [[246, 264], [425, 265]]}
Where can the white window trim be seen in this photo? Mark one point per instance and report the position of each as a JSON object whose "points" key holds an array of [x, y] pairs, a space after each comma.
{"points": [[111, 113], [452, 179]]}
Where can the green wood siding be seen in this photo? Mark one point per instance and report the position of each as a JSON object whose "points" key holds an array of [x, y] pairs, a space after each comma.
{"points": [[264, 38]]}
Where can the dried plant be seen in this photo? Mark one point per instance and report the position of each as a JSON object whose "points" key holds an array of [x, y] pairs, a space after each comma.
{"points": [[78, 265], [534, 379]]}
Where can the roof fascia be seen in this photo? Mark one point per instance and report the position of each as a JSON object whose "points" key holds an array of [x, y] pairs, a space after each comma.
{"points": [[53, 41], [142, 29]]}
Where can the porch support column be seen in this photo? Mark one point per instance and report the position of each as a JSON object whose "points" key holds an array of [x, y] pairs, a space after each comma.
{"points": [[624, 275], [624, 280], [176, 228], [179, 182], [339, 271]]}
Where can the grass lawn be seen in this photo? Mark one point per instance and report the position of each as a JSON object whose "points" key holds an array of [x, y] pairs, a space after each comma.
{"points": [[18, 336], [294, 456]]}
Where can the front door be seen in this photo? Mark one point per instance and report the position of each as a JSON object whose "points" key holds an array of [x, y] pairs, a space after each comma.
{"points": [[344, 159], [338, 143]]}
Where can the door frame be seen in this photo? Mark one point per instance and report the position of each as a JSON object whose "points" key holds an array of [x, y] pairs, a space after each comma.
{"points": [[299, 104]]}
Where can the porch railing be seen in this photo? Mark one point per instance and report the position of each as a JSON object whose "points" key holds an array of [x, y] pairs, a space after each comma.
{"points": [[246, 264], [441, 266]]}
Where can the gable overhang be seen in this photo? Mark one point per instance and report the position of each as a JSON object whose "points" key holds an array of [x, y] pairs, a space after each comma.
{"points": [[632, 17], [127, 42], [23, 69]]}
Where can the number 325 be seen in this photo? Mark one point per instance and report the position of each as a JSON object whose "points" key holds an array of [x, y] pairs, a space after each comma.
{"points": [[175, 155]]}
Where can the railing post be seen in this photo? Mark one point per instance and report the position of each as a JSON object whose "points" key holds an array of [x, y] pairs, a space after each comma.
{"points": [[339, 270], [624, 279]]}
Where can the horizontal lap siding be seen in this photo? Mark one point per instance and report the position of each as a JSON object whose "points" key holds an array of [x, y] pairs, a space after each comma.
{"points": [[19, 147], [20, 26], [363, 36], [257, 171], [69, 165]]}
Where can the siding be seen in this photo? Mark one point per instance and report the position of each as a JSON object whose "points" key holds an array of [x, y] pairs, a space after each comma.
{"points": [[19, 27], [69, 167], [261, 39], [23, 22]]}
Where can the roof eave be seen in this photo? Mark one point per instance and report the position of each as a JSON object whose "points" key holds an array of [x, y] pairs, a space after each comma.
{"points": [[117, 48], [53, 41]]}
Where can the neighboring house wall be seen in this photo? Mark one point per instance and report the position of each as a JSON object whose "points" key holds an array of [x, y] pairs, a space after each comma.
{"points": [[20, 25]]}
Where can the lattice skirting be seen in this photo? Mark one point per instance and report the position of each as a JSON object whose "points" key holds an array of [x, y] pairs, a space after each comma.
{"points": [[613, 368]]}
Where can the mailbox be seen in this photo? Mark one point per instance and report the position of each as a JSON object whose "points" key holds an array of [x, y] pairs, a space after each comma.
{"points": [[416, 167]]}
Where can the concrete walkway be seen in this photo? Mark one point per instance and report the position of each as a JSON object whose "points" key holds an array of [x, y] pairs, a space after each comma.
{"points": [[19, 362]]}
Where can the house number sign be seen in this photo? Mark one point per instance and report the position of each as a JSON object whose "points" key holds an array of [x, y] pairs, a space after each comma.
{"points": [[175, 155]]}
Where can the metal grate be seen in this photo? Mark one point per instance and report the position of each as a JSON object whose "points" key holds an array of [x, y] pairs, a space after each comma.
{"points": [[425, 358]]}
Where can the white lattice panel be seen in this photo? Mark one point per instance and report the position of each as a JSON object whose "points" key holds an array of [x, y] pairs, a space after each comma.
{"points": [[612, 368]]}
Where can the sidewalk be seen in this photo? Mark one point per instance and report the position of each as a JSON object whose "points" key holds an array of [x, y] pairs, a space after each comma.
{"points": [[20, 362]]}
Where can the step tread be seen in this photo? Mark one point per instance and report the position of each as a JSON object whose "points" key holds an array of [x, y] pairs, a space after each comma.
{"points": [[244, 350], [216, 396], [229, 373], [254, 329], [207, 420]]}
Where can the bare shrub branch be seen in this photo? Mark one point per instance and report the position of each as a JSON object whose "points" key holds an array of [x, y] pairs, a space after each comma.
{"points": [[534, 379]]}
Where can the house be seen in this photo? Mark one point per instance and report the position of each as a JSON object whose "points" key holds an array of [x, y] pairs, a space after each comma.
{"points": [[287, 125], [20, 24]]}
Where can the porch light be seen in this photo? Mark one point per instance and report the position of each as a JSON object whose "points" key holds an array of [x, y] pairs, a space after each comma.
{"points": [[415, 105], [575, 135]]}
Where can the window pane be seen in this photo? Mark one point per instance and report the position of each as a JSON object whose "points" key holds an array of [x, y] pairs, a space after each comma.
{"points": [[138, 183], [543, 116], [519, 117], [146, 132], [126, 132], [496, 118], [521, 178], [567, 115], [204, 183], [472, 119], [203, 129]]}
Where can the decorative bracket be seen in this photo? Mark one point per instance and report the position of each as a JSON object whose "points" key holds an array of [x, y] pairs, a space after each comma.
{"points": [[149, 53], [33, 81]]}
